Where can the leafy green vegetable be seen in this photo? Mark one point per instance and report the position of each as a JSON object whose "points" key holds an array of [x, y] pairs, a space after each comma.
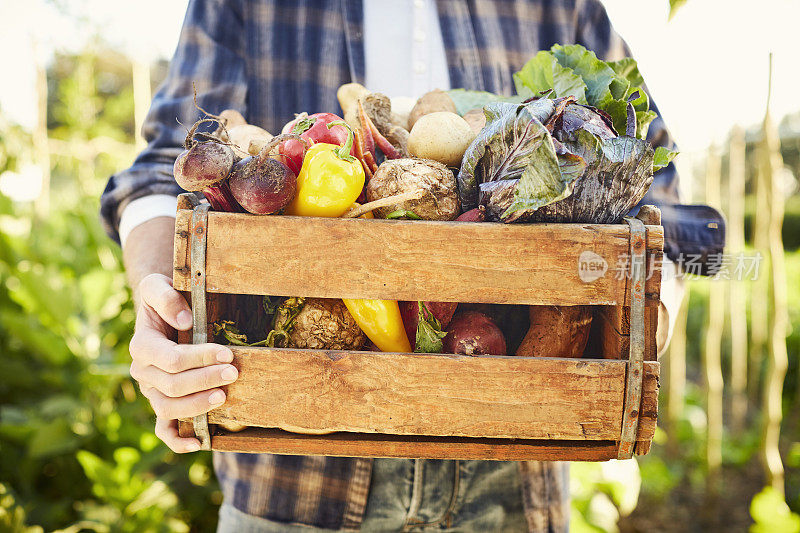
{"points": [[525, 164], [516, 145], [663, 157], [465, 100], [572, 70], [429, 332]]}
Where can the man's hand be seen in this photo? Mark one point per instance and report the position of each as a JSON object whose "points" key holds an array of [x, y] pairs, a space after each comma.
{"points": [[180, 380]]}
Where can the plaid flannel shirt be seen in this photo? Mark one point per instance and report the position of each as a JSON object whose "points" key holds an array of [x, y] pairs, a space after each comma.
{"points": [[270, 59]]}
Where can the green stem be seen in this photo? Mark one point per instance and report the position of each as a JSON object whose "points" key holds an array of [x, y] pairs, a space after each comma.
{"points": [[344, 150]]}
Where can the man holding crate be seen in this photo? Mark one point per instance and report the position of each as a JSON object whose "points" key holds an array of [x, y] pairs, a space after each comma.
{"points": [[270, 59]]}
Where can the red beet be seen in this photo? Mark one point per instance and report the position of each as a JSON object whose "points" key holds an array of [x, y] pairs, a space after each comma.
{"points": [[474, 333], [261, 184], [409, 311], [473, 215], [204, 167]]}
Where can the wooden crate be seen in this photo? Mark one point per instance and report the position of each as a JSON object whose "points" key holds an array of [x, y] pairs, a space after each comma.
{"points": [[427, 405]]}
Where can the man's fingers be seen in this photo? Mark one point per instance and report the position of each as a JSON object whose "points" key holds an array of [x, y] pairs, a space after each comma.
{"points": [[167, 431], [185, 406], [187, 382], [150, 347], [157, 292]]}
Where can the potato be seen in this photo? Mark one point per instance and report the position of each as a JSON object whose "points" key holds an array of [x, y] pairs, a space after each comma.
{"points": [[476, 119], [441, 136], [436, 100]]}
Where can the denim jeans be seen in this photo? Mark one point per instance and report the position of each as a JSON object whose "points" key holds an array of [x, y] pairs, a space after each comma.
{"points": [[422, 496]]}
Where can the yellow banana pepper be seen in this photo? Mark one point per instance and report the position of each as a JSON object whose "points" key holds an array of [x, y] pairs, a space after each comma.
{"points": [[329, 181], [328, 184], [380, 320]]}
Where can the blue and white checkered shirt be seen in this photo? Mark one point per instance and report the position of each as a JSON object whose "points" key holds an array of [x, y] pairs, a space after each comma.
{"points": [[270, 59]]}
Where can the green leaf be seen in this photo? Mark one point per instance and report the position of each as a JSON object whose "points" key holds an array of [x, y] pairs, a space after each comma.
{"points": [[662, 157], [429, 331], [543, 72], [628, 69], [596, 74], [403, 213], [674, 5], [466, 100]]}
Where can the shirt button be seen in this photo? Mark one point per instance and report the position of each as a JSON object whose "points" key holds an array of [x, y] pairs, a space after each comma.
{"points": [[419, 36], [419, 67], [419, 4]]}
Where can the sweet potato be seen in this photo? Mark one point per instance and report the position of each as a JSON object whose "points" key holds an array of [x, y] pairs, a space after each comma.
{"points": [[557, 331]]}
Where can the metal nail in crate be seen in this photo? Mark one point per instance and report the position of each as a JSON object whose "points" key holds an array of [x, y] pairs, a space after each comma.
{"points": [[375, 404]]}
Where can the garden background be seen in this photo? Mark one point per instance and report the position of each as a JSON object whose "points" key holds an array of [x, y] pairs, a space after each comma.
{"points": [[77, 452]]}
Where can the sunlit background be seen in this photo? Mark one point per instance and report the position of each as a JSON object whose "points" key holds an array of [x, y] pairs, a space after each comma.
{"points": [[76, 443]]}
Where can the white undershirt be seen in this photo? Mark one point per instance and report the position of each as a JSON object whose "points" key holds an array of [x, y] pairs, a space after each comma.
{"points": [[390, 28]]}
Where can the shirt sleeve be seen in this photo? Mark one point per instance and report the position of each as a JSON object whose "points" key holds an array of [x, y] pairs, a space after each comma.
{"points": [[210, 58], [693, 231]]}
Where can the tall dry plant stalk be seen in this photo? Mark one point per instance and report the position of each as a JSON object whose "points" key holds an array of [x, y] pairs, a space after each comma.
{"points": [[712, 350], [771, 164], [737, 288]]}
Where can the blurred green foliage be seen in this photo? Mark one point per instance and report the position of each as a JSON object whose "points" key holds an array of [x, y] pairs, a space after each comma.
{"points": [[78, 450]]}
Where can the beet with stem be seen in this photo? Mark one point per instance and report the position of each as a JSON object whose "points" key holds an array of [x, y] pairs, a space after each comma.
{"points": [[263, 185], [203, 166]]}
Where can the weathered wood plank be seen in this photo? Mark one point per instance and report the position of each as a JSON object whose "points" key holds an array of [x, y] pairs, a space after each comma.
{"points": [[418, 260], [261, 440], [424, 394]]}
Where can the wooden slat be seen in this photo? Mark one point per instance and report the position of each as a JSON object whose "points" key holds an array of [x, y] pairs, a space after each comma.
{"points": [[426, 394], [261, 440], [411, 260]]}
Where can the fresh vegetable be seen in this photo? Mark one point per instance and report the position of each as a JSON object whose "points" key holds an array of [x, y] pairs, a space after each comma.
{"points": [[380, 320], [228, 119], [248, 139], [554, 161], [572, 70], [476, 120], [203, 166], [312, 129], [330, 179], [435, 182], [430, 102], [348, 96], [474, 333], [473, 215], [263, 185], [557, 331], [441, 136], [425, 323], [325, 324]]}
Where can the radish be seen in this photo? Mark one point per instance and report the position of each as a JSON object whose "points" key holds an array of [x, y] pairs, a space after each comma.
{"points": [[263, 185], [474, 333]]}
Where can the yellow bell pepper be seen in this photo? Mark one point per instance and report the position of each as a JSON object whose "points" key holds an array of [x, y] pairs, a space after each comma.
{"points": [[380, 320], [329, 181]]}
